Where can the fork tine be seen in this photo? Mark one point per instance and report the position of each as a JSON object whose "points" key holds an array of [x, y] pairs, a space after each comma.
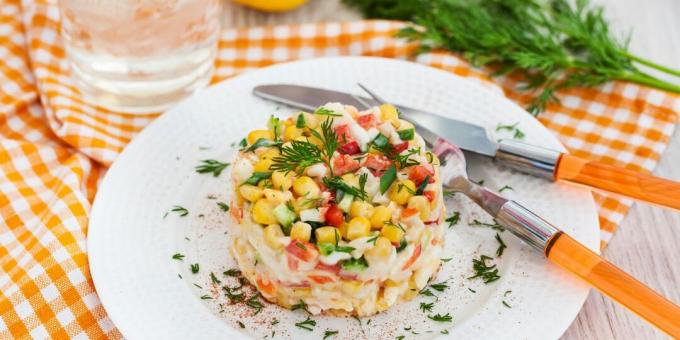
{"points": [[372, 94], [362, 102]]}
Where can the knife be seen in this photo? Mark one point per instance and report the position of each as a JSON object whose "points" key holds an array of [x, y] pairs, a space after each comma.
{"points": [[532, 159]]}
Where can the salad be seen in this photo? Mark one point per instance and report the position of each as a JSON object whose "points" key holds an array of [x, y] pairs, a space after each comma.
{"points": [[339, 211]]}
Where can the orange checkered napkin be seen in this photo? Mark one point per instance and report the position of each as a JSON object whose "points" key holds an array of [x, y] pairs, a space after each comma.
{"points": [[54, 149]]}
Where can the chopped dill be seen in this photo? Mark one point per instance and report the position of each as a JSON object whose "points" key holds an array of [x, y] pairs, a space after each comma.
{"points": [[501, 245], [211, 166], [487, 273]]}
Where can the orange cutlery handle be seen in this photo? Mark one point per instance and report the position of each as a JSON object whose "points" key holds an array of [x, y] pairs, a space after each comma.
{"points": [[615, 283], [618, 180]]}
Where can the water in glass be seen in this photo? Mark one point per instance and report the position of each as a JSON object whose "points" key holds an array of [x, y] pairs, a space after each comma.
{"points": [[140, 56]]}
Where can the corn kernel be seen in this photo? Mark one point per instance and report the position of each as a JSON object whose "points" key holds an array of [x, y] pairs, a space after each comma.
{"points": [[361, 208], [281, 180], [272, 233], [262, 165], [305, 186], [351, 287], [263, 212], [392, 233], [422, 204], [276, 197], [382, 249], [327, 234], [268, 153], [401, 192], [358, 227], [343, 230], [291, 133], [254, 135], [388, 113], [301, 231], [351, 180], [250, 192], [381, 214], [311, 120]]}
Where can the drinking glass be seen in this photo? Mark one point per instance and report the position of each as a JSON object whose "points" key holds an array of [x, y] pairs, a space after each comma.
{"points": [[140, 56]]}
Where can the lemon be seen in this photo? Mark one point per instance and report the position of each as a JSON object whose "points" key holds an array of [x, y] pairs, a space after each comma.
{"points": [[271, 5]]}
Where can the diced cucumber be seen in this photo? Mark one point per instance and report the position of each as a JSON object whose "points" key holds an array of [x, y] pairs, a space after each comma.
{"points": [[284, 215], [346, 202]]}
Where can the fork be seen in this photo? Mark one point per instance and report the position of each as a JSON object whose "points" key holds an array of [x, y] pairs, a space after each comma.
{"points": [[556, 245]]}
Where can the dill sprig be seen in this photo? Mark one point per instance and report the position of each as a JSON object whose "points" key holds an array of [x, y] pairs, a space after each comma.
{"points": [[303, 154], [453, 219], [307, 324], [211, 166], [494, 226], [487, 273], [337, 183], [501, 245], [441, 318], [549, 44], [329, 333]]}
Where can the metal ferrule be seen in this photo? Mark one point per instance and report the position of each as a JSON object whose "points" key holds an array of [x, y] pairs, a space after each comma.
{"points": [[526, 225], [528, 158]]}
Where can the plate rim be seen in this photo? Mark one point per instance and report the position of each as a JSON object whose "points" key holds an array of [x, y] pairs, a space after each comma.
{"points": [[176, 110]]}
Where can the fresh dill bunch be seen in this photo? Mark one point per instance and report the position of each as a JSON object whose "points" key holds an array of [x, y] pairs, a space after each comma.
{"points": [[549, 44]]}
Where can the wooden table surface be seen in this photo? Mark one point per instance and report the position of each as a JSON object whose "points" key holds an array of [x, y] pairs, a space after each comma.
{"points": [[646, 244]]}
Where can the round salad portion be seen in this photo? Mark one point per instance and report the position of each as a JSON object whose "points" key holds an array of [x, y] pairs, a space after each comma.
{"points": [[337, 211]]}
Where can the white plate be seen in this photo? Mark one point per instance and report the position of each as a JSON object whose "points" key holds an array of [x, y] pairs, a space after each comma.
{"points": [[130, 243]]}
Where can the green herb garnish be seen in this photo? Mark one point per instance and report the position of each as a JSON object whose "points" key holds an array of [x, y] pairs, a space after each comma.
{"points": [[214, 278], [487, 273], [422, 186], [549, 44], [505, 187], [233, 296], [181, 211], [211, 166], [388, 178], [501, 246], [243, 143], [337, 183], [254, 303], [206, 297], [494, 226], [359, 264], [329, 333], [322, 111], [303, 154], [402, 245], [240, 324], [262, 143], [441, 318], [506, 304], [440, 287], [256, 177], [232, 272], [453, 219], [178, 257], [307, 324], [194, 268], [426, 307], [300, 305], [223, 206]]}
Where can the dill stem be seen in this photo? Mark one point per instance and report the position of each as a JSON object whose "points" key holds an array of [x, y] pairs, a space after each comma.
{"points": [[644, 79], [653, 64]]}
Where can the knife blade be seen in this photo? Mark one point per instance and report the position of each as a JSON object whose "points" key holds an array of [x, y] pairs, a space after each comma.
{"points": [[469, 137], [532, 159]]}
